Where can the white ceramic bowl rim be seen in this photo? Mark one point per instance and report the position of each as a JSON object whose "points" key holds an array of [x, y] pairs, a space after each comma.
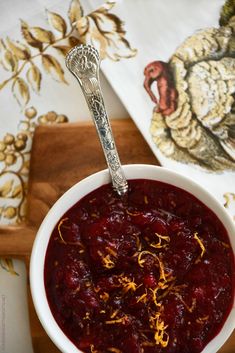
{"points": [[73, 195]]}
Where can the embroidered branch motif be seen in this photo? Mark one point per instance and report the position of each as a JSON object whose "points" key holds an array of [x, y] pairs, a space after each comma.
{"points": [[20, 58]]}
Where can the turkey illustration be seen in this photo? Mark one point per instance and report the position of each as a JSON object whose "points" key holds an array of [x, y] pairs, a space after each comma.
{"points": [[194, 117]]}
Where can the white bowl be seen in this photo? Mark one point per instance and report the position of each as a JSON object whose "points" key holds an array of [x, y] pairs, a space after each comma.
{"points": [[73, 195]]}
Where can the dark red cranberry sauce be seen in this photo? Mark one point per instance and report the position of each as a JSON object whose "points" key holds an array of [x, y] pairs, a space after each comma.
{"points": [[153, 273]]}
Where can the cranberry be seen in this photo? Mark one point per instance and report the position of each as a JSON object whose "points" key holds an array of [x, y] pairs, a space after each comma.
{"points": [[108, 283], [71, 278], [195, 221], [174, 311], [94, 229], [69, 232], [142, 218], [90, 298], [197, 344], [176, 225], [159, 226], [150, 280]]}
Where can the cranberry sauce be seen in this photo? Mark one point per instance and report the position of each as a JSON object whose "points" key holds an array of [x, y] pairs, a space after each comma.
{"points": [[153, 273]]}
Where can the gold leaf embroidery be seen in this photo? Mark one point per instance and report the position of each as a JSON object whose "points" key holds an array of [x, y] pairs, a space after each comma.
{"points": [[5, 189], [74, 41], [2, 45], [52, 66], [30, 113], [57, 22], [52, 118], [28, 36], [106, 32], [229, 198], [8, 60], [17, 191], [21, 91], [9, 212], [229, 202], [11, 190], [108, 5], [7, 264], [82, 27], [62, 49], [14, 156], [21, 51], [34, 77], [9, 139], [91, 29], [75, 11], [42, 35]]}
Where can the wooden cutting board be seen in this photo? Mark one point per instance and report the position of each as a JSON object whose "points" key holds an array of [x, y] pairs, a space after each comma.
{"points": [[61, 156]]}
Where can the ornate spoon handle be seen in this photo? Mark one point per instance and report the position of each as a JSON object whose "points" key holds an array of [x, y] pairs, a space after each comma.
{"points": [[84, 63]]}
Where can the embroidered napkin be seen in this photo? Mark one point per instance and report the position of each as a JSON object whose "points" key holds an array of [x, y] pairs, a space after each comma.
{"points": [[186, 111]]}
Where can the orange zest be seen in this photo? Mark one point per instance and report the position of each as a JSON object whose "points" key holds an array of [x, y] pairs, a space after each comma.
{"points": [[59, 229], [203, 249]]}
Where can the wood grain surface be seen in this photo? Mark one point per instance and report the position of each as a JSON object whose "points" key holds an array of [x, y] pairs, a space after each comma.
{"points": [[61, 156]]}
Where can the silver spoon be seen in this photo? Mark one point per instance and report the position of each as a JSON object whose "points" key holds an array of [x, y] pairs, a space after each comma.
{"points": [[84, 63]]}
